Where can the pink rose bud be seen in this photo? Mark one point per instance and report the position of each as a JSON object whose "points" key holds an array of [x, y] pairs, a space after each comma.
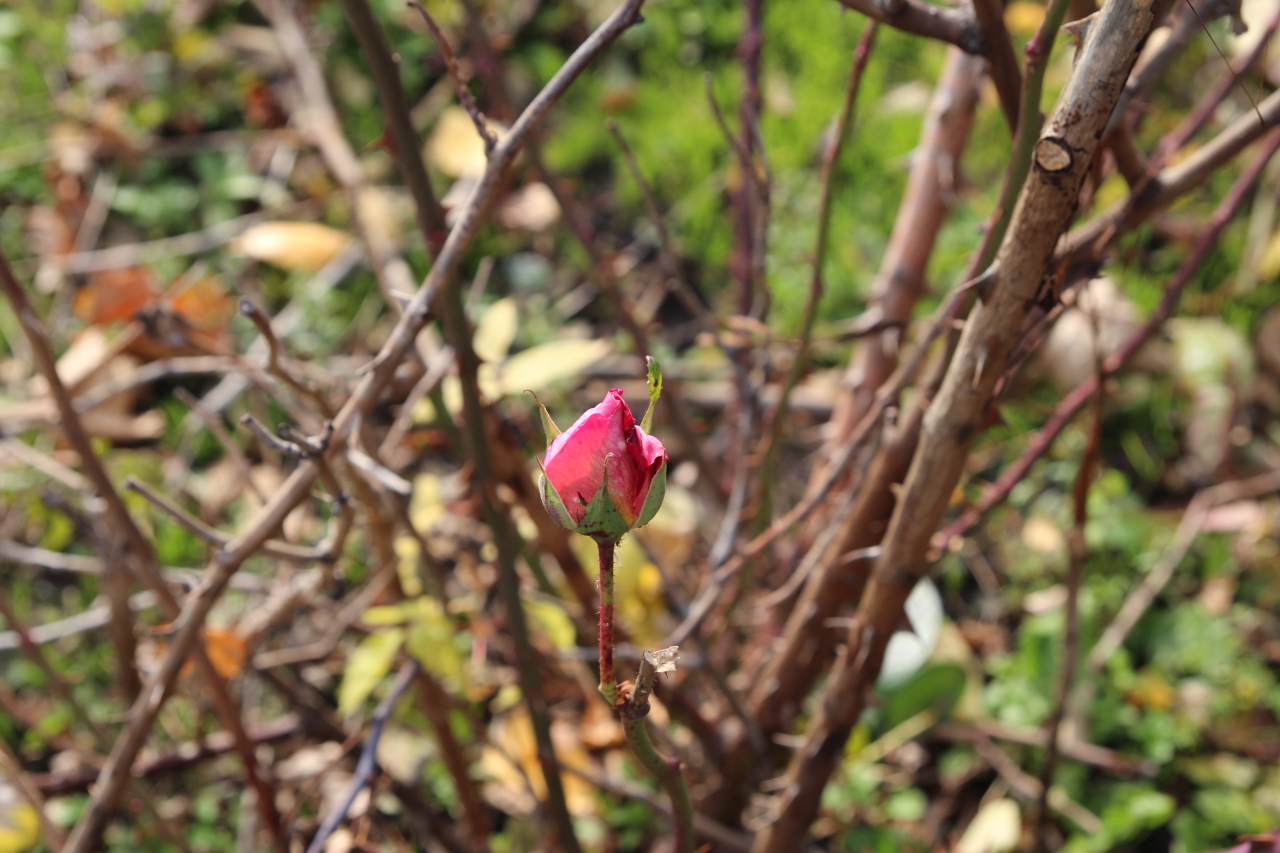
{"points": [[604, 476]]}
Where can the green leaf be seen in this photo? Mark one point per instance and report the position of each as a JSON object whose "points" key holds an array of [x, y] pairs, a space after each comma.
{"points": [[933, 688], [367, 665], [655, 391]]}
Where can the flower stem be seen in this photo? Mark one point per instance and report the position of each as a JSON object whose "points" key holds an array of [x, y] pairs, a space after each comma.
{"points": [[608, 677], [667, 772]]}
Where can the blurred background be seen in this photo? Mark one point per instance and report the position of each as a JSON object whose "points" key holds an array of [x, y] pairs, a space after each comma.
{"points": [[161, 160]]}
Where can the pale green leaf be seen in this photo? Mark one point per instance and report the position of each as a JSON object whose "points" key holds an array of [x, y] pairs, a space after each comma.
{"points": [[431, 640], [540, 366], [366, 666], [496, 331], [391, 614]]}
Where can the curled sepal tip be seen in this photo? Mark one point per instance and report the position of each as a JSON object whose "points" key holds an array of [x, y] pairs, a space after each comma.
{"points": [[655, 391]]}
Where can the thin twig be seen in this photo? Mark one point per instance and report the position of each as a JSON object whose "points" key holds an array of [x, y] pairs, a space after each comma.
{"points": [[219, 430], [192, 243], [817, 283], [55, 561], [1077, 558], [367, 764], [455, 74], [143, 562], [215, 537], [1142, 596]]}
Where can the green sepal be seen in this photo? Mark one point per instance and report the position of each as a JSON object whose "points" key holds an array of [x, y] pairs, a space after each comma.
{"points": [[552, 502], [653, 500], [603, 522], [548, 425], [655, 391]]}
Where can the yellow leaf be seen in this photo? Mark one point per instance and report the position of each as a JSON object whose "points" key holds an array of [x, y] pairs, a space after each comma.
{"points": [[1023, 17], [513, 735], [19, 823], [996, 828], [550, 618], [368, 664], [540, 366], [426, 506], [1269, 266], [293, 246], [455, 147], [408, 550], [496, 330]]}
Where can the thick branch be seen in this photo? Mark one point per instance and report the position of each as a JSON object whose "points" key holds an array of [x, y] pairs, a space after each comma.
{"points": [[1062, 158]]}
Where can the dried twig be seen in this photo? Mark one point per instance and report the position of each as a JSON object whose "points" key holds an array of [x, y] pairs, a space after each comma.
{"points": [[925, 19], [367, 763], [460, 84], [215, 537], [137, 547]]}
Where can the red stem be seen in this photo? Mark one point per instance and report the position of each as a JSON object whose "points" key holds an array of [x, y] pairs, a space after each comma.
{"points": [[608, 678]]}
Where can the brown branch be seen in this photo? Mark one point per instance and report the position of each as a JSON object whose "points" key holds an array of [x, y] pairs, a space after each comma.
{"points": [[395, 108], [928, 196], [925, 19], [1002, 63], [436, 704], [1062, 159], [1090, 239], [1075, 401]]}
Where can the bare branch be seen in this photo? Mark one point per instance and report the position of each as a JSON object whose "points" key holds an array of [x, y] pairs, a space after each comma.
{"points": [[924, 19]]}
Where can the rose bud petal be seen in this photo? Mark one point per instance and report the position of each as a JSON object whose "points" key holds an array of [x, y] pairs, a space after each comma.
{"points": [[603, 470]]}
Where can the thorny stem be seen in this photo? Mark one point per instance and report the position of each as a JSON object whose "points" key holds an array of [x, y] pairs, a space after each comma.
{"points": [[669, 776], [635, 708], [608, 676]]}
